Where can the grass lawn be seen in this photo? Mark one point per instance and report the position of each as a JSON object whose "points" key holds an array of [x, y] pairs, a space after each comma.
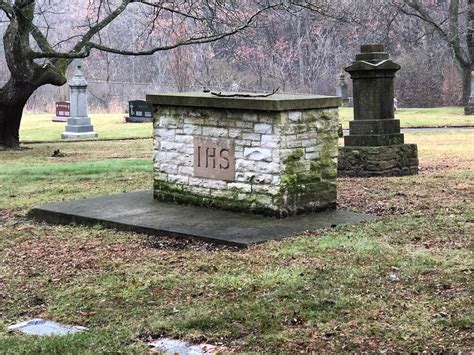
{"points": [[325, 291], [39, 127], [421, 117]]}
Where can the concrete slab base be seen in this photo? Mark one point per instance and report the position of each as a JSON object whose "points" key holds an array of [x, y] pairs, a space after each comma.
{"points": [[72, 135], [59, 119], [139, 212], [138, 119]]}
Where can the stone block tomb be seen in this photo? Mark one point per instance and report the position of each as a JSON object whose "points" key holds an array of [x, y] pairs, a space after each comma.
{"points": [[266, 156], [273, 155]]}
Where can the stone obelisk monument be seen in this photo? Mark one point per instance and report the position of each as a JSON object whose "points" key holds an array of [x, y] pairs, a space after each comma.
{"points": [[375, 146], [79, 123], [342, 90]]}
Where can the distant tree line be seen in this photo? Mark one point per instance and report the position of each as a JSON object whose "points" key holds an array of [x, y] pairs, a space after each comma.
{"points": [[130, 47]]}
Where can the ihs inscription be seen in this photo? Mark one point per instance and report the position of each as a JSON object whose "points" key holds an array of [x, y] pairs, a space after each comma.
{"points": [[214, 158]]}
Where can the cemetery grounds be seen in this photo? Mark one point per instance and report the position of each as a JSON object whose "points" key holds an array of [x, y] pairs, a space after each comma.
{"points": [[402, 283]]}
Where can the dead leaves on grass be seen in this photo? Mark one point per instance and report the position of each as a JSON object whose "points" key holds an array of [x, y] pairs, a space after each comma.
{"points": [[10, 216], [396, 196], [50, 254]]}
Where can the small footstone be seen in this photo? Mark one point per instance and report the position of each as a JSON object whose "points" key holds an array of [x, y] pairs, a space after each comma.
{"points": [[45, 328], [393, 278], [172, 346]]}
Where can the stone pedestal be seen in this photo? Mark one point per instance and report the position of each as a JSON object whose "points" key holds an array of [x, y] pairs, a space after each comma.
{"points": [[392, 160], [274, 156], [78, 124], [375, 146]]}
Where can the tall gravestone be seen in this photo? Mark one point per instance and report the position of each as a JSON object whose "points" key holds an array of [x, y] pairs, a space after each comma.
{"points": [[79, 123], [375, 146], [342, 89]]}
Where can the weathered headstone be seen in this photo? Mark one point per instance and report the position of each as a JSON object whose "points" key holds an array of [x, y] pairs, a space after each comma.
{"points": [[79, 123], [139, 111], [469, 109], [375, 146], [342, 89], [272, 155], [63, 111]]}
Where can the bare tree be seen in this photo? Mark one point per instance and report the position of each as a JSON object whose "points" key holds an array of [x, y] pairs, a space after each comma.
{"points": [[453, 21], [34, 60]]}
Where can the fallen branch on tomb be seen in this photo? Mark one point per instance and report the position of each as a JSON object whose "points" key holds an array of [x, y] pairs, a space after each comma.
{"points": [[220, 94]]}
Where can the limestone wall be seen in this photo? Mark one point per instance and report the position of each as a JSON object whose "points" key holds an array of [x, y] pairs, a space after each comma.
{"points": [[285, 161]]}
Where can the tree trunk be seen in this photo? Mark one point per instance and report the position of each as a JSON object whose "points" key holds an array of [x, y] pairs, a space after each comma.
{"points": [[26, 75], [466, 90], [10, 118], [13, 98]]}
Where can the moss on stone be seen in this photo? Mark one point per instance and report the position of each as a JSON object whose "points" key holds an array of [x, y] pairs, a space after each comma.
{"points": [[289, 177], [176, 193], [302, 179]]}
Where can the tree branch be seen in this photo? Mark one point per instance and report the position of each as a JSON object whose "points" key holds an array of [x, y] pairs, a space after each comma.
{"points": [[421, 14], [455, 39], [83, 49], [84, 42], [324, 9], [220, 94], [175, 11], [40, 39], [452, 36], [7, 9]]}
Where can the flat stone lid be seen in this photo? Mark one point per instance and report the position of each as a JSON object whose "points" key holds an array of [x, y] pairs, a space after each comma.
{"points": [[277, 102]]}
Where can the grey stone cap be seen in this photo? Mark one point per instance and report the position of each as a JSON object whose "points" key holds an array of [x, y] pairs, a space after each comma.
{"points": [[368, 66], [372, 48], [376, 56], [78, 80], [277, 102]]}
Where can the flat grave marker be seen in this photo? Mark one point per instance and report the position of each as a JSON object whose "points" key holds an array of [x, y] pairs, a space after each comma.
{"points": [[43, 327]]}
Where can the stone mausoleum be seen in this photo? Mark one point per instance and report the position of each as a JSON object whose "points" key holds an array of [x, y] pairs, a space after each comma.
{"points": [[273, 155]]}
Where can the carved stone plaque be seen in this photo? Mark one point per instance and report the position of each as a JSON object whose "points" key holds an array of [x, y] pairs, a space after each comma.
{"points": [[214, 158]]}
